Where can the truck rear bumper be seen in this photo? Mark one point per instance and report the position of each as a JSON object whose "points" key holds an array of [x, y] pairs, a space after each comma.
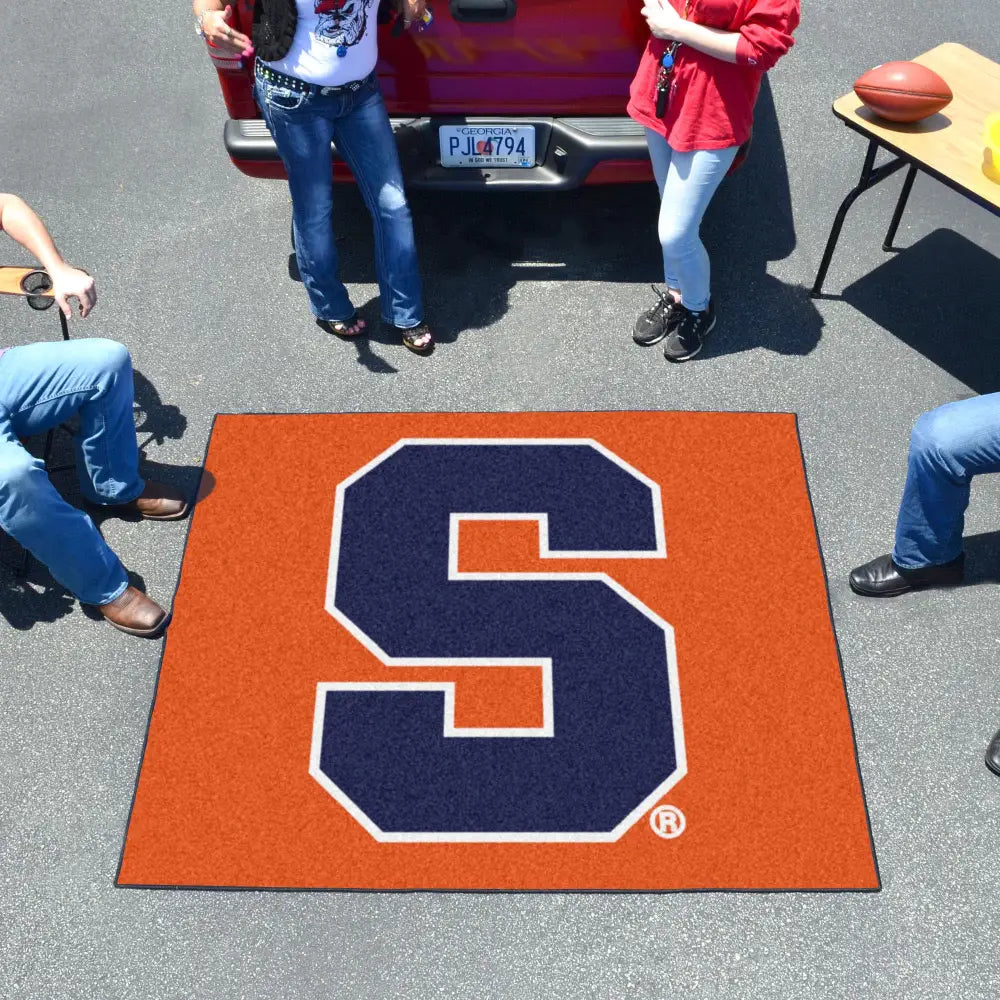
{"points": [[567, 152]]}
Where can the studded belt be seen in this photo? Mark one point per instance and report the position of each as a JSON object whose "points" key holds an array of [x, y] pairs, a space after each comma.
{"points": [[294, 83]]}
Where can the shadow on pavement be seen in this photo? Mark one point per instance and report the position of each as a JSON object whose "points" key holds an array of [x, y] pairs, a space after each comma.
{"points": [[748, 225], [25, 603], [154, 417], [475, 246], [938, 296], [982, 558]]}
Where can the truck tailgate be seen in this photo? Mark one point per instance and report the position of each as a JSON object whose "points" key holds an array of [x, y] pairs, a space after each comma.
{"points": [[529, 57]]}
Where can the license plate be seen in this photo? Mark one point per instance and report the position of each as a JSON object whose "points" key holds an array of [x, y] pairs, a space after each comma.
{"points": [[487, 145]]}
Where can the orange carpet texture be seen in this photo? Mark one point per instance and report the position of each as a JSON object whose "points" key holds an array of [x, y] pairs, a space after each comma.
{"points": [[518, 651]]}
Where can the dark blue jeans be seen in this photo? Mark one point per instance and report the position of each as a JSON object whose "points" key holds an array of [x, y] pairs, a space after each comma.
{"points": [[303, 126], [948, 447]]}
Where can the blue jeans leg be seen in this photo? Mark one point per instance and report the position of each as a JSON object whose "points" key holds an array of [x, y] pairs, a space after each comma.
{"points": [[303, 126], [687, 183], [42, 385], [366, 141], [948, 447], [303, 136]]}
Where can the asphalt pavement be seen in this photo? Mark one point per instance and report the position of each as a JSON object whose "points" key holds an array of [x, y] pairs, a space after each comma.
{"points": [[111, 127]]}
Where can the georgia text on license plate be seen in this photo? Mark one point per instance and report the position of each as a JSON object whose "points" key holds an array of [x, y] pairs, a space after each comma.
{"points": [[487, 145]]}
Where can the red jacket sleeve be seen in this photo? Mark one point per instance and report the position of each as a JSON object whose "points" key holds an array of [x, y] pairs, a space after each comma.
{"points": [[766, 34]]}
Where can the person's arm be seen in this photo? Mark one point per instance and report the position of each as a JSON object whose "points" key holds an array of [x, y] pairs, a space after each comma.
{"points": [[216, 25], [762, 40], [409, 10], [664, 22], [22, 225], [712, 41]]}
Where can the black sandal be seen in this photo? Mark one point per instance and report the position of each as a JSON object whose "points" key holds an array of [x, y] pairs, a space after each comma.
{"points": [[414, 333], [340, 327]]}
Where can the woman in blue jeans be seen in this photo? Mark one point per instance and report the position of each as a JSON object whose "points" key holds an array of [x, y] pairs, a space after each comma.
{"points": [[694, 92], [42, 386], [315, 84]]}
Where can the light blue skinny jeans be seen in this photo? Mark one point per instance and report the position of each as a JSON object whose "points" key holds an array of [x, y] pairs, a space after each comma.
{"points": [[687, 182], [41, 386], [948, 447]]}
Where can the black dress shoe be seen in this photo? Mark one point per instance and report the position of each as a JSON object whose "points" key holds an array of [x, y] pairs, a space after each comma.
{"points": [[883, 578], [993, 754]]}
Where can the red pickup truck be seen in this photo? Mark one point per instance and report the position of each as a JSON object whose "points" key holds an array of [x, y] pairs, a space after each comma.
{"points": [[507, 94]]}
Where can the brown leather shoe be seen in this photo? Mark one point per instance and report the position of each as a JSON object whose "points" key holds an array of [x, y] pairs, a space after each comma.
{"points": [[136, 614], [157, 502]]}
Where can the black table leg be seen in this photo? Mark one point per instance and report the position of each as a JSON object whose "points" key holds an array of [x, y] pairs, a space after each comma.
{"points": [[900, 208], [870, 176], [838, 222]]}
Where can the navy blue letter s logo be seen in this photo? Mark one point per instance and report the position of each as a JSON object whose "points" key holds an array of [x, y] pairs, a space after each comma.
{"points": [[610, 745]]}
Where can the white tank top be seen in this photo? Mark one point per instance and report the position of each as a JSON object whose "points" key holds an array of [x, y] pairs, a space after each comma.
{"points": [[334, 42]]}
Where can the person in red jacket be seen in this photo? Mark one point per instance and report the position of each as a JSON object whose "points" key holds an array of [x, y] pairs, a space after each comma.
{"points": [[695, 91]]}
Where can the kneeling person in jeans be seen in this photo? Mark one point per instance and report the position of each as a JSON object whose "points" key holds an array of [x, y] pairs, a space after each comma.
{"points": [[948, 447], [43, 385]]}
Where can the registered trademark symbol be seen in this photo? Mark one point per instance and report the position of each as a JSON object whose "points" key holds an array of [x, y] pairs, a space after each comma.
{"points": [[667, 822]]}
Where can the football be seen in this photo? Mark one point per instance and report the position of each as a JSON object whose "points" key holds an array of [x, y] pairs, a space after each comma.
{"points": [[903, 91]]}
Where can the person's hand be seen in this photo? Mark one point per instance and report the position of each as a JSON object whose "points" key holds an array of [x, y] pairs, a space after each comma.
{"points": [[217, 30], [72, 283], [412, 10], [664, 22]]}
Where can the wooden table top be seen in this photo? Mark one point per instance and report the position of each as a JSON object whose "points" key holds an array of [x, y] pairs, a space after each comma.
{"points": [[950, 144], [11, 277]]}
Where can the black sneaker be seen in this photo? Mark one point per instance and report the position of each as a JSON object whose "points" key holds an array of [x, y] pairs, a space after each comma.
{"points": [[688, 337], [654, 324]]}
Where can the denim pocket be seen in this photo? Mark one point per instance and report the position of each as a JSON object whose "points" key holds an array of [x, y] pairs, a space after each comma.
{"points": [[283, 98]]}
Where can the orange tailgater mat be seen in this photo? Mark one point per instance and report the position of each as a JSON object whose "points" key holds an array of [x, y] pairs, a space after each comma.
{"points": [[510, 651]]}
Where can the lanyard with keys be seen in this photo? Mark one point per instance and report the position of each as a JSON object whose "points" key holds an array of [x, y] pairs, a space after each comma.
{"points": [[667, 70]]}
